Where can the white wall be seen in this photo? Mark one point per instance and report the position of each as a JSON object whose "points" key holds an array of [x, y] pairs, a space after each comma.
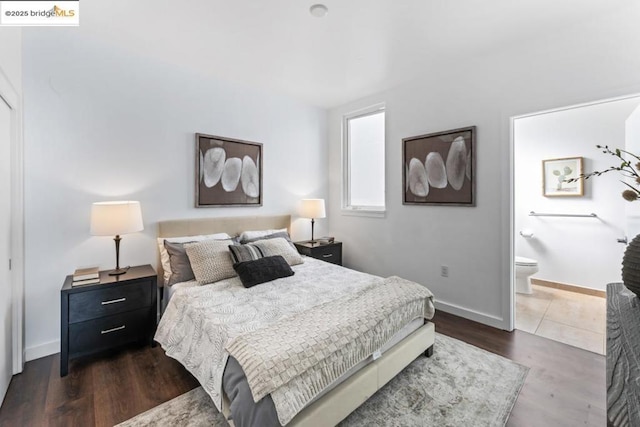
{"points": [[11, 55], [632, 139], [101, 124], [586, 61], [577, 251]]}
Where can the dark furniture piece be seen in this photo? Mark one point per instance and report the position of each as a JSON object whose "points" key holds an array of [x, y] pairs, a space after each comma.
{"points": [[330, 252], [118, 310], [623, 354]]}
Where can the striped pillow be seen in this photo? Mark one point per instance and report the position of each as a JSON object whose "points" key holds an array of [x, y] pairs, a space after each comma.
{"points": [[265, 248], [248, 252]]}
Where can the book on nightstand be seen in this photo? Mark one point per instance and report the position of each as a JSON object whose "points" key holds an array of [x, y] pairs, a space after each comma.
{"points": [[82, 275], [84, 282], [325, 240]]}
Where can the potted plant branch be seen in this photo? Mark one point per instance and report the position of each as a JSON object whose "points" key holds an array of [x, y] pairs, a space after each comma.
{"points": [[628, 169]]}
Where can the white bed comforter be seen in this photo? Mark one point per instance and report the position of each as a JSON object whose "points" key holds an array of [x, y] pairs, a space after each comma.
{"points": [[200, 322]]}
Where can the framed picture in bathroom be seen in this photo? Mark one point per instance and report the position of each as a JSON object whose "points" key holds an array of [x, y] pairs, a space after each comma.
{"points": [[439, 168], [556, 172]]}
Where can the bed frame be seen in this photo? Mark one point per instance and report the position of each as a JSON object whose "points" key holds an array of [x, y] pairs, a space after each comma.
{"points": [[337, 404]]}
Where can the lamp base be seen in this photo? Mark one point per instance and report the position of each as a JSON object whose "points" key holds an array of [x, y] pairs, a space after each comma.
{"points": [[118, 271]]}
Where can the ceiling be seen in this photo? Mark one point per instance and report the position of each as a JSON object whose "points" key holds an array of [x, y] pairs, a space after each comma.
{"points": [[361, 47]]}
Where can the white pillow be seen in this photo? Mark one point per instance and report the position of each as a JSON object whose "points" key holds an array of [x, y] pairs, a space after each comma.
{"points": [[210, 260], [255, 234], [164, 255]]}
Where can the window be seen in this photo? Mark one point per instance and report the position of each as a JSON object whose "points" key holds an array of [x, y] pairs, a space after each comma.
{"points": [[363, 156]]}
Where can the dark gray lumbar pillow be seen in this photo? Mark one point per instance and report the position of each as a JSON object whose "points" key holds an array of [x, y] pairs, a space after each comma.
{"points": [[181, 270], [262, 270]]}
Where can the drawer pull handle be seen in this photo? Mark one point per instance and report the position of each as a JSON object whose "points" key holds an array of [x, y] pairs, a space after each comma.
{"points": [[108, 331], [113, 301], [327, 255]]}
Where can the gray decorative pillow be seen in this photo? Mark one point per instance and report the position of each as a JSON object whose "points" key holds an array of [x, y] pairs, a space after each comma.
{"points": [[262, 270], [164, 255], [259, 234], [282, 234], [179, 262], [279, 246], [210, 260]]}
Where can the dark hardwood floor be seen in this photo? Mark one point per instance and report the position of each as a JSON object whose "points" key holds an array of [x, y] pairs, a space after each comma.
{"points": [[565, 385], [99, 390]]}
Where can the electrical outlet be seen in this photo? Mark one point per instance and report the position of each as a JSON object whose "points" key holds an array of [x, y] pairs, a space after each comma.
{"points": [[444, 271]]}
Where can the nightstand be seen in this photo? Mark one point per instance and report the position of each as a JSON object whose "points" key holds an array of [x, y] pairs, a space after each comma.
{"points": [[330, 252], [118, 310]]}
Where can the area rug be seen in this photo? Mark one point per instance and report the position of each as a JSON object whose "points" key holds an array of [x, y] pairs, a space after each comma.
{"points": [[460, 385]]}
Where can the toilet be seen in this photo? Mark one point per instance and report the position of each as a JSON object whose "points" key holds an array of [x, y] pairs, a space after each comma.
{"points": [[525, 268]]}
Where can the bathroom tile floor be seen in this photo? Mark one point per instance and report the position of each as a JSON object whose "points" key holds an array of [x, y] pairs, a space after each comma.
{"points": [[572, 318]]}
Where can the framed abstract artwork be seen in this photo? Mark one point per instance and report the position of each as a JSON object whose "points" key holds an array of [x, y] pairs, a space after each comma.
{"points": [[228, 172], [439, 168], [555, 172]]}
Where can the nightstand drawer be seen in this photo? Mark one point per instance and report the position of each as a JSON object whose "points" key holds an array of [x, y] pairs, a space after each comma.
{"points": [[106, 332], [331, 253], [104, 302]]}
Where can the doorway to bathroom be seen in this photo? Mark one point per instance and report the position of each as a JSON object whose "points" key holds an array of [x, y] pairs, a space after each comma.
{"points": [[569, 239]]}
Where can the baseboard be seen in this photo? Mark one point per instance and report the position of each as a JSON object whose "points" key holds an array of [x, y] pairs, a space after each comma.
{"points": [[568, 287], [476, 316], [42, 350]]}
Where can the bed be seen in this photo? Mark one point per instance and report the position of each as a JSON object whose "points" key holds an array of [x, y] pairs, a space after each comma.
{"points": [[188, 321]]}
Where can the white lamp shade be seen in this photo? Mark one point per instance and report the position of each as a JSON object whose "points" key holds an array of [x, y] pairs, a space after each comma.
{"points": [[312, 208], [115, 218]]}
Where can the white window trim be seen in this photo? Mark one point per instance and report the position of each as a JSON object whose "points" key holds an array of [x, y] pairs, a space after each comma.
{"points": [[368, 211]]}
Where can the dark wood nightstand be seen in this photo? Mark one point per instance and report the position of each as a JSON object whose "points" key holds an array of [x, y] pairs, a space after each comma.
{"points": [[118, 310], [330, 252]]}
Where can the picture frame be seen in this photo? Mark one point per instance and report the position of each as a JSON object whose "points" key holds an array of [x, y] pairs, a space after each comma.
{"points": [[228, 172], [439, 168], [555, 172]]}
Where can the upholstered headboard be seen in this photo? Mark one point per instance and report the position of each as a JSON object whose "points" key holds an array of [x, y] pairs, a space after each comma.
{"points": [[230, 225]]}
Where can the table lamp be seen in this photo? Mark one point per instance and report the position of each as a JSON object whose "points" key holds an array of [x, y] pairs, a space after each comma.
{"points": [[312, 208], [116, 218]]}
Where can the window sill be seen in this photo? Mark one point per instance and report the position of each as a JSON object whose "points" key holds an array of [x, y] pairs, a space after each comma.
{"points": [[364, 212]]}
